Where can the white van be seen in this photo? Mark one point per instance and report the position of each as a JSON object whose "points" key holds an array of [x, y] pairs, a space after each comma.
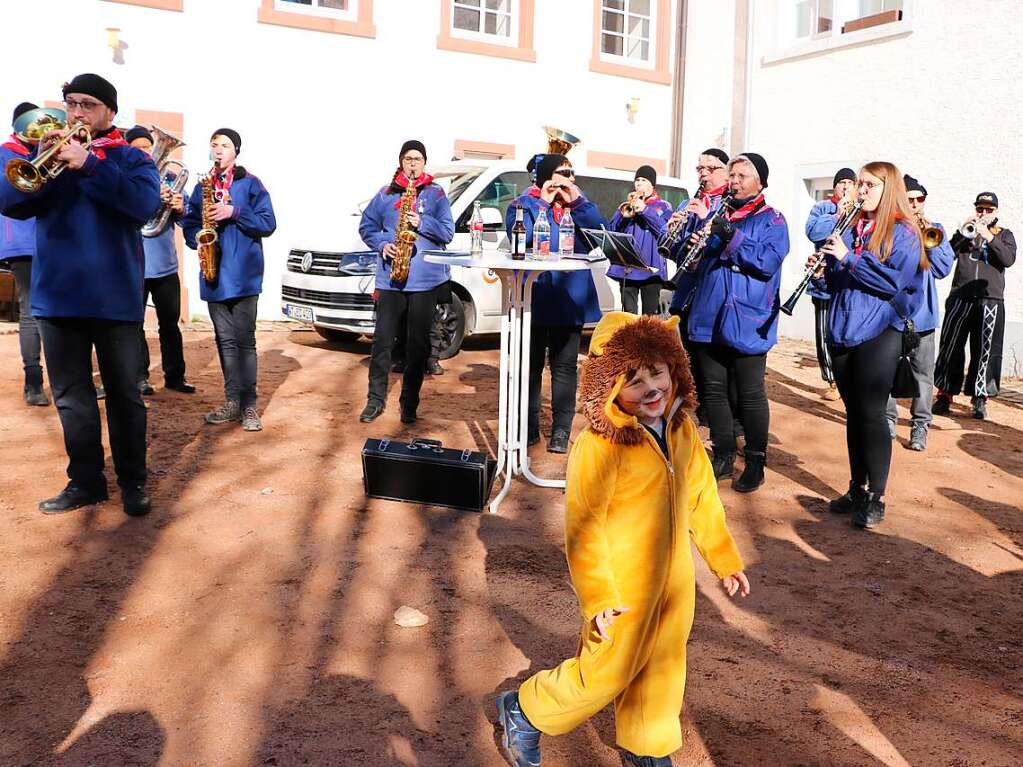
{"points": [[332, 288]]}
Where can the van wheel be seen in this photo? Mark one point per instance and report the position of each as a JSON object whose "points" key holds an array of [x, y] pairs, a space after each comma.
{"points": [[335, 336], [450, 320]]}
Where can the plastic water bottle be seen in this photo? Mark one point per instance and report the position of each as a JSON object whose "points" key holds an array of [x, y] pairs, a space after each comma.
{"points": [[476, 228], [566, 235], [542, 237]]}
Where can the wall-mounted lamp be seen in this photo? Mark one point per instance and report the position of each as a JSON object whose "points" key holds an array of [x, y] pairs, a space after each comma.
{"points": [[115, 44], [631, 108]]}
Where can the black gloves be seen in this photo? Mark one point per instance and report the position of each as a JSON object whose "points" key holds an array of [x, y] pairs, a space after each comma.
{"points": [[723, 230]]}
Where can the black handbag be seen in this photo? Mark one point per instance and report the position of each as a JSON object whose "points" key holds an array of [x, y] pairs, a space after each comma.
{"points": [[423, 471], [905, 383]]}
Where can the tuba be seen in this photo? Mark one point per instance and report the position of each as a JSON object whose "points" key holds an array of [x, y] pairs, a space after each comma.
{"points": [[404, 237], [28, 176], [559, 141], [206, 238], [164, 145]]}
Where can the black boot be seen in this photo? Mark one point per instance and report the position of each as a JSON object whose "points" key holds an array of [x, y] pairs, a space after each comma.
{"points": [[870, 513], [136, 500], [371, 412], [34, 395], [846, 504], [634, 760], [723, 463], [752, 475], [73, 497]]}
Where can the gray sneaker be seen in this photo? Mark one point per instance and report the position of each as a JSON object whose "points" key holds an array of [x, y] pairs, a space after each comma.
{"points": [[250, 420], [892, 433], [918, 439], [229, 411]]}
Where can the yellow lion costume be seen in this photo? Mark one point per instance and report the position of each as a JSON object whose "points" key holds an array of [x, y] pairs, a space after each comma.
{"points": [[630, 515]]}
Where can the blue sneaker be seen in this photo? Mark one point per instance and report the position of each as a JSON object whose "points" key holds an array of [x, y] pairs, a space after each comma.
{"points": [[645, 761], [521, 740]]}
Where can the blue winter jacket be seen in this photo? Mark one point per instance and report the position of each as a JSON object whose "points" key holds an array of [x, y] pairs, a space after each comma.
{"points": [[161, 254], [862, 288], [942, 258], [17, 238], [436, 230], [646, 229], [89, 260], [687, 282], [561, 299], [736, 299], [239, 240], [819, 226]]}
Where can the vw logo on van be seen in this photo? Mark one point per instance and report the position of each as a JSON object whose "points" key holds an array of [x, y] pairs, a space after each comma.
{"points": [[307, 262]]}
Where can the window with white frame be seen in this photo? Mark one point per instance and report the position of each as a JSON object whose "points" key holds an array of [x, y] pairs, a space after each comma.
{"points": [[336, 9], [493, 21], [627, 30], [802, 20]]}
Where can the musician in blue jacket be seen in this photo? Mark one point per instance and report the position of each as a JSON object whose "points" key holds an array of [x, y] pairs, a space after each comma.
{"points": [[87, 292], [875, 275], [415, 296], [243, 215], [162, 282], [733, 319], [562, 301], [821, 222], [17, 246], [644, 215], [925, 322]]}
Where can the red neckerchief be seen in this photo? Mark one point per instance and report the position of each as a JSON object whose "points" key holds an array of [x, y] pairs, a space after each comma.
{"points": [[834, 199], [15, 145], [863, 229], [710, 193], [750, 207], [653, 198], [401, 181], [557, 209], [113, 138], [222, 184]]}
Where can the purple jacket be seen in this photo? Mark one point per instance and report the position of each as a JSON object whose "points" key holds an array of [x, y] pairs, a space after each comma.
{"points": [[646, 229], [17, 238]]}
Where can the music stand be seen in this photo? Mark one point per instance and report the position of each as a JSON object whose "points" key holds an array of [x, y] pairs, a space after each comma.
{"points": [[617, 247]]}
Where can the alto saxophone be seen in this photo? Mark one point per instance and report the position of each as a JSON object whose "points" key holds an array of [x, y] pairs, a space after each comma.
{"points": [[404, 237], [206, 239]]}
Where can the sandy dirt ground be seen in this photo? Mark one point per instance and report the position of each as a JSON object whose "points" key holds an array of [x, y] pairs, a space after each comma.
{"points": [[248, 620]]}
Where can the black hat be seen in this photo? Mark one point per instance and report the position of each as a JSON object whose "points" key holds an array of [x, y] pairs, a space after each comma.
{"points": [[986, 198], [912, 185], [758, 162], [24, 106], [546, 166], [139, 131], [845, 174], [714, 152], [647, 172], [531, 165], [233, 135], [412, 144], [95, 86]]}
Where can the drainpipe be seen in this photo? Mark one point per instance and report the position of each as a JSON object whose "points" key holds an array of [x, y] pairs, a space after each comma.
{"points": [[678, 90]]}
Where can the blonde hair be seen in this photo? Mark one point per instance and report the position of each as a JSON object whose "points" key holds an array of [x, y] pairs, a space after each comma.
{"points": [[891, 210]]}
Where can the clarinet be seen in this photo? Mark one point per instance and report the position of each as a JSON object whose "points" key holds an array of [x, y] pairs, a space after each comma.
{"points": [[694, 252], [818, 258]]}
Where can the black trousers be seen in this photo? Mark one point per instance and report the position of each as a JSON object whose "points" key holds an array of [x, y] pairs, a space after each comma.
{"points": [[166, 293], [436, 339], [865, 374], [982, 322], [633, 291], [28, 329], [68, 344], [820, 321], [560, 346], [722, 367], [418, 309], [234, 323]]}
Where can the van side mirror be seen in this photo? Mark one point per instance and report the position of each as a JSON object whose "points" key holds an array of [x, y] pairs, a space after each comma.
{"points": [[493, 221]]}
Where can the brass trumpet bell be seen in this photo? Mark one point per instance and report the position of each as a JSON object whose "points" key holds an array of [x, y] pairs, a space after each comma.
{"points": [[28, 176], [932, 237], [559, 141]]}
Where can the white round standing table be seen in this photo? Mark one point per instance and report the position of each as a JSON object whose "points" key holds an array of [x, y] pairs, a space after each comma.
{"points": [[517, 278]]}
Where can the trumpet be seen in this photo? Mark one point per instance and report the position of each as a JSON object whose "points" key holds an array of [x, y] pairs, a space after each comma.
{"points": [[28, 176], [932, 236], [970, 229], [164, 145], [630, 207]]}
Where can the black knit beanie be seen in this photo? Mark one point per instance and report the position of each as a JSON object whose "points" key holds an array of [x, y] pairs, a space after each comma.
{"points": [[231, 134], [95, 86], [912, 185], [24, 106], [412, 144], [647, 172], [546, 166], [758, 162], [139, 131], [715, 152], [844, 174]]}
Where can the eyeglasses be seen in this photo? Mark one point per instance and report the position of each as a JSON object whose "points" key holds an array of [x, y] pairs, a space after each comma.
{"points": [[85, 106], [708, 168], [870, 184], [983, 210], [921, 198], [413, 159], [567, 172]]}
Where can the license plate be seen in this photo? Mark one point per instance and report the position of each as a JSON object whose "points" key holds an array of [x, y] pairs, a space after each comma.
{"points": [[303, 313]]}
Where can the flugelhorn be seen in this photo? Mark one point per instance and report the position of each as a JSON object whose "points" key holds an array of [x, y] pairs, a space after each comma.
{"points": [[818, 258], [164, 144], [28, 176]]}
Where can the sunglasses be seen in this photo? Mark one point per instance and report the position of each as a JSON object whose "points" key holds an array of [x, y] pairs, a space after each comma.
{"points": [[566, 172], [921, 198], [984, 210]]}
